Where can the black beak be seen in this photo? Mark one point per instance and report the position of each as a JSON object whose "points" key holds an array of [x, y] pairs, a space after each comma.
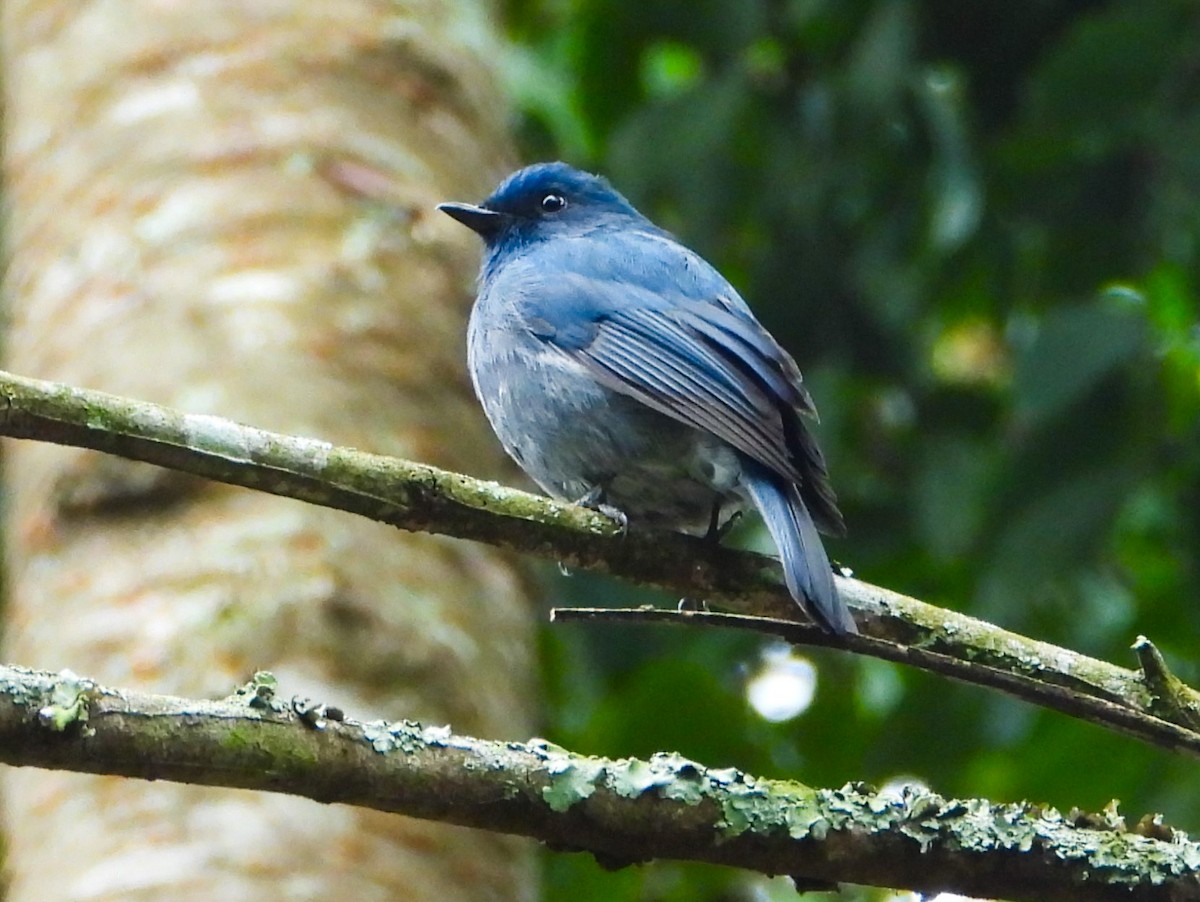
{"points": [[484, 222]]}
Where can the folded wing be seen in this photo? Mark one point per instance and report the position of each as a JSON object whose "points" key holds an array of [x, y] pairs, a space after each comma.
{"points": [[705, 363]]}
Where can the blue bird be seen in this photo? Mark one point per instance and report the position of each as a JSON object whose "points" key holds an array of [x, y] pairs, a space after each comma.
{"points": [[619, 369]]}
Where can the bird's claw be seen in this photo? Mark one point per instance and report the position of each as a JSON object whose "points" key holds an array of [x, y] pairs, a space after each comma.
{"points": [[594, 500], [615, 514]]}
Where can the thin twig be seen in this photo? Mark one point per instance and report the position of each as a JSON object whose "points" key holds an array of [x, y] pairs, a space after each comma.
{"points": [[1080, 699], [1169, 694]]}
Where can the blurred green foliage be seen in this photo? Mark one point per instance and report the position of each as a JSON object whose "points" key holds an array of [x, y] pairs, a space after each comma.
{"points": [[977, 227]]}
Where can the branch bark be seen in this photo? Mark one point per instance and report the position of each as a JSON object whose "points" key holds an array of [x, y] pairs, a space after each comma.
{"points": [[623, 811], [415, 496]]}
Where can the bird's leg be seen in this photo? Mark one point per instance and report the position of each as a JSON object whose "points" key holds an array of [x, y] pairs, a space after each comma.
{"points": [[718, 530], [713, 535], [593, 499]]}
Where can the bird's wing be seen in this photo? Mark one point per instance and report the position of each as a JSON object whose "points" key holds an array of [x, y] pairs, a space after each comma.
{"points": [[683, 364], [747, 346], [705, 363]]}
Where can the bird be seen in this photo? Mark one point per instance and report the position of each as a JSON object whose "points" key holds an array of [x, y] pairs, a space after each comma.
{"points": [[621, 370]]}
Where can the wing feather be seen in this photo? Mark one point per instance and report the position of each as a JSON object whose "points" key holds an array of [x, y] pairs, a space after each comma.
{"points": [[684, 345], [641, 365], [682, 371]]}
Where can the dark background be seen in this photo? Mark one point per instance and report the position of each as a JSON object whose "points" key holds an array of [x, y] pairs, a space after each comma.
{"points": [[976, 227]]}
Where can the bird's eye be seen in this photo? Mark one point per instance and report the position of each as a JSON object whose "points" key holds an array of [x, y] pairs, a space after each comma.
{"points": [[553, 203]]}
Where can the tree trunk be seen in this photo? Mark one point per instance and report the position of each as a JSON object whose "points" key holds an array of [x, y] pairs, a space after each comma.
{"points": [[195, 220]]}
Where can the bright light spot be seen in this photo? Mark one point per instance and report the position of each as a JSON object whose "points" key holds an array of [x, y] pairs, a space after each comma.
{"points": [[897, 785], [940, 897], [254, 286], [971, 352], [138, 104], [784, 685]]}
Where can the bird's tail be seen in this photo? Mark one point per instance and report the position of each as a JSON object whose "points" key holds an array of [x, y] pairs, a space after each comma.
{"points": [[805, 565]]}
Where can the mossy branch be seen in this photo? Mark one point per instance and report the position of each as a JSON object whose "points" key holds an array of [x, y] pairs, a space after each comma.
{"points": [[414, 496], [622, 811]]}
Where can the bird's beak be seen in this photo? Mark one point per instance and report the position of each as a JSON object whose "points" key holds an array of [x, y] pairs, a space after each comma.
{"points": [[484, 222]]}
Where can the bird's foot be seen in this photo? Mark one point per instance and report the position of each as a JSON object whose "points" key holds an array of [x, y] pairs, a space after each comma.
{"points": [[841, 569], [615, 514], [717, 530], [594, 500], [692, 604]]}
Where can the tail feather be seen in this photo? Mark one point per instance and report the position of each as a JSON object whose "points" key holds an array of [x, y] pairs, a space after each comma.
{"points": [[806, 568]]}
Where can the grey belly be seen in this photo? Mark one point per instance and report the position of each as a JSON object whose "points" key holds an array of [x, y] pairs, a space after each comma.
{"points": [[571, 435]]}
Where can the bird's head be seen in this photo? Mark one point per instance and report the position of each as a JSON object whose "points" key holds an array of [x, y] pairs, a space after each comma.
{"points": [[541, 200]]}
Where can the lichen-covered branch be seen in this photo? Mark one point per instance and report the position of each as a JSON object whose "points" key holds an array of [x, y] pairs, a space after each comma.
{"points": [[623, 811], [418, 497]]}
